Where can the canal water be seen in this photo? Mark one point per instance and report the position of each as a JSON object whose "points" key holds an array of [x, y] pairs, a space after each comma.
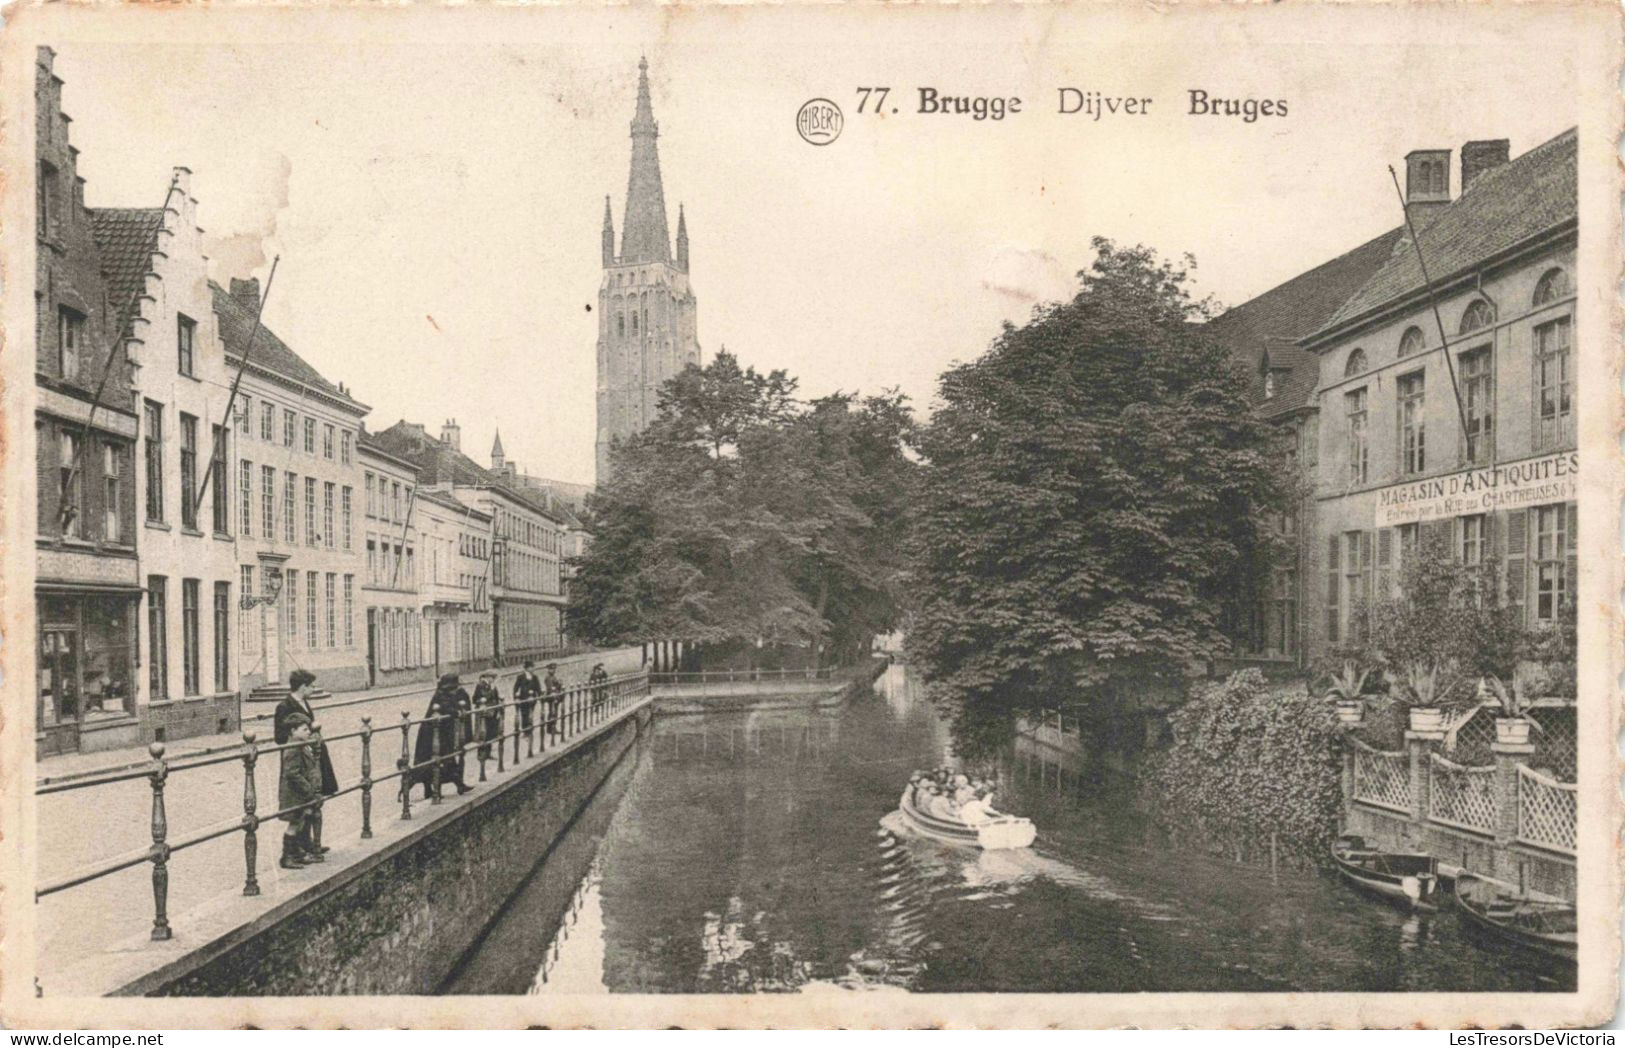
{"points": [[746, 852]]}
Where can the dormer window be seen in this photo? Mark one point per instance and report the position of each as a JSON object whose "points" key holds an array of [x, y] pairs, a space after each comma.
{"points": [[1269, 384]]}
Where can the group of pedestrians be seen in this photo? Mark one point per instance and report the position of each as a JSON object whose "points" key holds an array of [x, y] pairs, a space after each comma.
{"points": [[453, 720]]}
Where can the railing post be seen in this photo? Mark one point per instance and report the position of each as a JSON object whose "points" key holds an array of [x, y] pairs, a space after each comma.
{"points": [[251, 822], [366, 778], [160, 850], [405, 765], [433, 725], [502, 735]]}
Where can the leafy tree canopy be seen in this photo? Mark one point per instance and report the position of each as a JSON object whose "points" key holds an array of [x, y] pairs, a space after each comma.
{"points": [[1095, 486], [742, 514]]}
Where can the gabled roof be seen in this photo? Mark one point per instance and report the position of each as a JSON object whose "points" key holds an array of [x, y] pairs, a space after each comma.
{"points": [[440, 498], [1272, 323], [126, 237], [1507, 206], [269, 352]]}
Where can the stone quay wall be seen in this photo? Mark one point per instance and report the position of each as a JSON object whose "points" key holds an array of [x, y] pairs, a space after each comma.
{"points": [[401, 920]]}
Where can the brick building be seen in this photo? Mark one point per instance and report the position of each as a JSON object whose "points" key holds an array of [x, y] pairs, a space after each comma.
{"points": [[87, 585], [1267, 621]]}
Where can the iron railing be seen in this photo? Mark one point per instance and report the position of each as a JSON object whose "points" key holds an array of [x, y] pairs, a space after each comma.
{"points": [[825, 673], [565, 716]]}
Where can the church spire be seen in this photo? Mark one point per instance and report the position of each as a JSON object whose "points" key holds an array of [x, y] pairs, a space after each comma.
{"points": [[609, 234], [682, 240], [497, 456], [646, 237]]}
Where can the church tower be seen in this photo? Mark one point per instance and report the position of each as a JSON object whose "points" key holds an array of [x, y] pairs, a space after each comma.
{"points": [[646, 325]]}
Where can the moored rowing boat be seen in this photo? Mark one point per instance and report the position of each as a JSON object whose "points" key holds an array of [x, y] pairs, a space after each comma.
{"points": [[1547, 925], [1407, 878]]}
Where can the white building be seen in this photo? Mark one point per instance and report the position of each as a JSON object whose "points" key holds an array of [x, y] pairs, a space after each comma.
{"points": [[455, 587], [389, 587], [299, 479], [186, 550]]}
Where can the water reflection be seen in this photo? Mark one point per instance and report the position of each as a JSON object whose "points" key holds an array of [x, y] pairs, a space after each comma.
{"points": [[755, 852]]}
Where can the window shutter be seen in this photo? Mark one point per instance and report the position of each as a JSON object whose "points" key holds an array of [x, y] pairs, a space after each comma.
{"points": [[1517, 541], [1363, 603], [1331, 590], [1385, 563], [1571, 564]]}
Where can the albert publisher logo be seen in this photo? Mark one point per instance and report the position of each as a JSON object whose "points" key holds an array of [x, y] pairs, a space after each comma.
{"points": [[819, 122]]}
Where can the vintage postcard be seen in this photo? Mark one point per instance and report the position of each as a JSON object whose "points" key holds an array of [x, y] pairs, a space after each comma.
{"points": [[773, 515]]}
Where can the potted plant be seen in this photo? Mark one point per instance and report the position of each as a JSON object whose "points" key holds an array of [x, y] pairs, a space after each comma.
{"points": [[1514, 724], [1347, 688], [1429, 684]]}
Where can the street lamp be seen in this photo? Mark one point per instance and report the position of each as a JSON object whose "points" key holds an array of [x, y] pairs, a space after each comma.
{"points": [[273, 590]]}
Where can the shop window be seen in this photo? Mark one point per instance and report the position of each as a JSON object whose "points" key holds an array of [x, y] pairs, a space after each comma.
{"points": [[1473, 533], [1412, 423]]}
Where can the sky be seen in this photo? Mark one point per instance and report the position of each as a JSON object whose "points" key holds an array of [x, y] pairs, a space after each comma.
{"points": [[433, 181]]}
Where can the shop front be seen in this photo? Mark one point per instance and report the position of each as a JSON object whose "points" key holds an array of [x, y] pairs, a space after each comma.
{"points": [[86, 658]]}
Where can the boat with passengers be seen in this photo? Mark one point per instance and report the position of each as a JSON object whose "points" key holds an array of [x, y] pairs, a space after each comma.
{"points": [[927, 807]]}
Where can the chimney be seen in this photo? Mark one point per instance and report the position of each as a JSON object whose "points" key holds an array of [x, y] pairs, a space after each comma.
{"points": [[1427, 179], [247, 293], [1479, 157], [452, 434]]}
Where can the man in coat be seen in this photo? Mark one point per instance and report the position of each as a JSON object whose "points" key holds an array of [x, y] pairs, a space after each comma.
{"points": [[525, 692], [446, 727], [300, 684], [554, 689]]}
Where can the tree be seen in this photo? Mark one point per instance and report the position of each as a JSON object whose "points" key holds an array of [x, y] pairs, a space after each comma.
{"points": [[1094, 490], [741, 515]]}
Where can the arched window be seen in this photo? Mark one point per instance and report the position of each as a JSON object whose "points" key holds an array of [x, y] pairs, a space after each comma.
{"points": [[1553, 285], [620, 324], [1478, 315], [634, 322], [1356, 363], [1411, 342]]}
